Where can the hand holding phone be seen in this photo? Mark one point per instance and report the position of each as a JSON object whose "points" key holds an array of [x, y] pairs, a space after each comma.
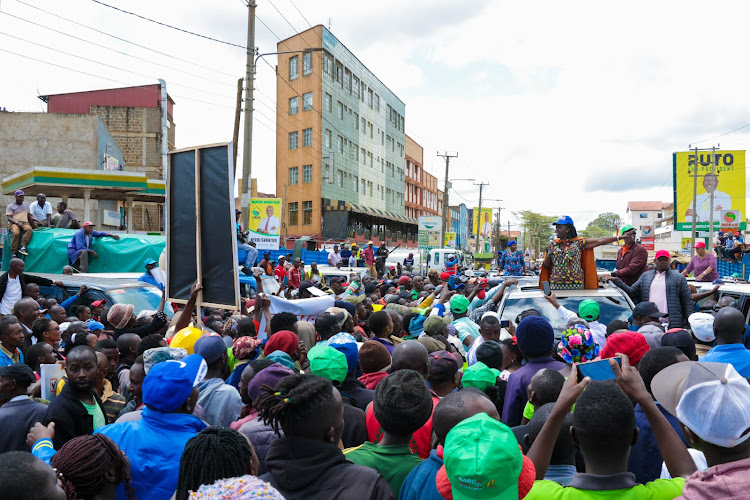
{"points": [[597, 370], [505, 323], [545, 287]]}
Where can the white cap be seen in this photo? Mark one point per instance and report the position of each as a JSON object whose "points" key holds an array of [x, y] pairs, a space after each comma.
{"points": [[710, 399], [702, 326]]}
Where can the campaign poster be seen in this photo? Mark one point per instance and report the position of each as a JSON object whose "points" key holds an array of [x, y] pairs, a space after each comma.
{"points": [[482, 226], [450, 240], [265, 223], [428, 236], [727, 184]]}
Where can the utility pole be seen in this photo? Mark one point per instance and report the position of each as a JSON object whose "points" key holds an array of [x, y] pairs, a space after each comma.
{"points": [[479, 214], [446, 221], [247, 149], [695, 204], [236, 134], [711, 219]]}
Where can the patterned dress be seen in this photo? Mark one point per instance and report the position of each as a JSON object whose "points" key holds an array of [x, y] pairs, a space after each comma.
{"points": [[511, 263], [567, 273]]}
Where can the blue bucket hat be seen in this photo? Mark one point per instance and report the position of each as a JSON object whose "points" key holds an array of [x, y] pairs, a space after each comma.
{"points": [[169, 384]]}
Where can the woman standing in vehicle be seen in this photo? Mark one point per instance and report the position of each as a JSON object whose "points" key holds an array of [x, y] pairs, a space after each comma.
{"points": [[702, 265], [569, 262]]}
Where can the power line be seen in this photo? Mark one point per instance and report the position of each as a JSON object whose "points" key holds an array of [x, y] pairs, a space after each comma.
{"points": [[105, 78], [243, 47], [283, 16], [722, 135], [300, 13], [126, 41], [107, 65]]}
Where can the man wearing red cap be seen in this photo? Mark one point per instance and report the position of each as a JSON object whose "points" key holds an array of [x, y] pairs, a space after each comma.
{"points": [[663, 286], [79, 247]]}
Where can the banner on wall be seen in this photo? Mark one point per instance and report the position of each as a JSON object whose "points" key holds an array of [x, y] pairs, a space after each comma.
{"points": [[482, 226], [727, 185], [265, 223], [428, 235]]}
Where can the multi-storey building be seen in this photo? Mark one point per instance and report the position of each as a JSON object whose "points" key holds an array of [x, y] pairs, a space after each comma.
{"points": [[340, 156], [421, 186]]}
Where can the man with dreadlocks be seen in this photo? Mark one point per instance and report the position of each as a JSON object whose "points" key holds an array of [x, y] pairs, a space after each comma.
{"points": [[307, 463], [154, 444], [215, 453]]}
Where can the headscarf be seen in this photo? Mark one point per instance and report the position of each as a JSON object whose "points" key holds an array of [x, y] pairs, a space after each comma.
{"points": [[243, 347], [237, 488], [577, 345]]}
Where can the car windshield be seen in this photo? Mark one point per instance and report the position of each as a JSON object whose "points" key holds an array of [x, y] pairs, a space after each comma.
{"points": [[142, 299], [610, 309]]}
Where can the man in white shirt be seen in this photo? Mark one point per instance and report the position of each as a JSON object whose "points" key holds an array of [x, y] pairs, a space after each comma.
{"points": [[589, 310], [702, 207], [12, 283], [41, 211], [270, 224], [334, 258]]}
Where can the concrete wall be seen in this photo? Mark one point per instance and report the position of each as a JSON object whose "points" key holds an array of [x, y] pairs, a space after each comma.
{"points": [[51, 140]]}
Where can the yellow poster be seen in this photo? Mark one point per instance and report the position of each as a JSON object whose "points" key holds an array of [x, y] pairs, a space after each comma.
{"points": [[265, 222], [450, 240], [485, 224], [727, 185]]}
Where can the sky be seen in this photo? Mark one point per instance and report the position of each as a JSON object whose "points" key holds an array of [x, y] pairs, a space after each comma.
{"points": [[566, 108]]}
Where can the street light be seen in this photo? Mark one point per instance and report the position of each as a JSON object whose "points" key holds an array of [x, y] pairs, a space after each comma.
{"points": [[247, 150]]}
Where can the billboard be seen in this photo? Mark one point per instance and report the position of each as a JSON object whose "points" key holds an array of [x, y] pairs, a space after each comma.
{"points": [[484, 224], [727, 185], [428, 235], [265, 223], [647, 237], [450, 240]]}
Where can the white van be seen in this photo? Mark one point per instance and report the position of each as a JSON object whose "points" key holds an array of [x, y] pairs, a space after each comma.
{"points": [[437, 257]]}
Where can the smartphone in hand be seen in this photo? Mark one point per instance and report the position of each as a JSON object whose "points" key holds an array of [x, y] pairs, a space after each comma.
{"points": [[505, 323], [597, 370], [545, 287]]}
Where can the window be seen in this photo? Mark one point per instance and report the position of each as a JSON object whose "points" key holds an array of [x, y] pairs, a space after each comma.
{"points": [[388, 111], [363, 125], [328, 102], [340, 74], [293, 207], [293, 175], [306, 213], [340, 110], [307, 101], [341, 178], [362, 89], [340, 144], [382, 137], [328, 139], [355, 86], [328, 65], [307, 138], [377, 103], [307, 63], [369, 128], [364, 187], [369, 97], [292, 140], [356, 152], [369, 186], [293, 105], [364, 156], [306, 174], [643, 215], [348, 81], [369, 158], [356, 121], [293, 67]]}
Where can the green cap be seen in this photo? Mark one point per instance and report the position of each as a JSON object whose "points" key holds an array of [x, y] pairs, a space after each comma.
{"points": [[434, 325], [735, 275], [588, 309], [459, 304], [482, 459], [625, 229], [327, 362], [479, 375]]}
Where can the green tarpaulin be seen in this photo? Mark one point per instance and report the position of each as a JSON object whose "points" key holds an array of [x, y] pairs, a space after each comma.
{"points": [[48, 252]]}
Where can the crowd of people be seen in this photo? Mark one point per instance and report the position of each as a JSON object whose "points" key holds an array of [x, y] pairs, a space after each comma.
{"points": [[404, 386]]}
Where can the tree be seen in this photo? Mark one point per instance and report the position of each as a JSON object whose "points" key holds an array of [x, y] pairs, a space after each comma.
{"points": [[537, 229], [608, 221], [594, 232]]}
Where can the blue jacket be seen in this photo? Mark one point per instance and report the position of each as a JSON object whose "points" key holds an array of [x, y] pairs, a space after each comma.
{"points": [[6, 361], [81, 241], [147, 278], [420, 483], [154, 445]]}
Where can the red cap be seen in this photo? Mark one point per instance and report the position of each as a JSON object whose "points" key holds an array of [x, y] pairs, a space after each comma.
{"points": [[700, 244], [662, 253], [445, 276], [403, 280], [99, 302], [88, 223]]}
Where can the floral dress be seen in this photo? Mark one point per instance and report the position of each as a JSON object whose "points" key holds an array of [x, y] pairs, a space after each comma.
{"points": [[567, 273], [511, 263]]}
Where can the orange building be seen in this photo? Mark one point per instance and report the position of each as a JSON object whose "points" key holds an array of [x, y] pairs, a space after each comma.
{"points": [[421, 191], [341, 152]]}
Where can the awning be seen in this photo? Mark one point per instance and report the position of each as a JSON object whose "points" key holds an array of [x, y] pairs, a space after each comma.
{"points": [[104, 184], [334, 205]]}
